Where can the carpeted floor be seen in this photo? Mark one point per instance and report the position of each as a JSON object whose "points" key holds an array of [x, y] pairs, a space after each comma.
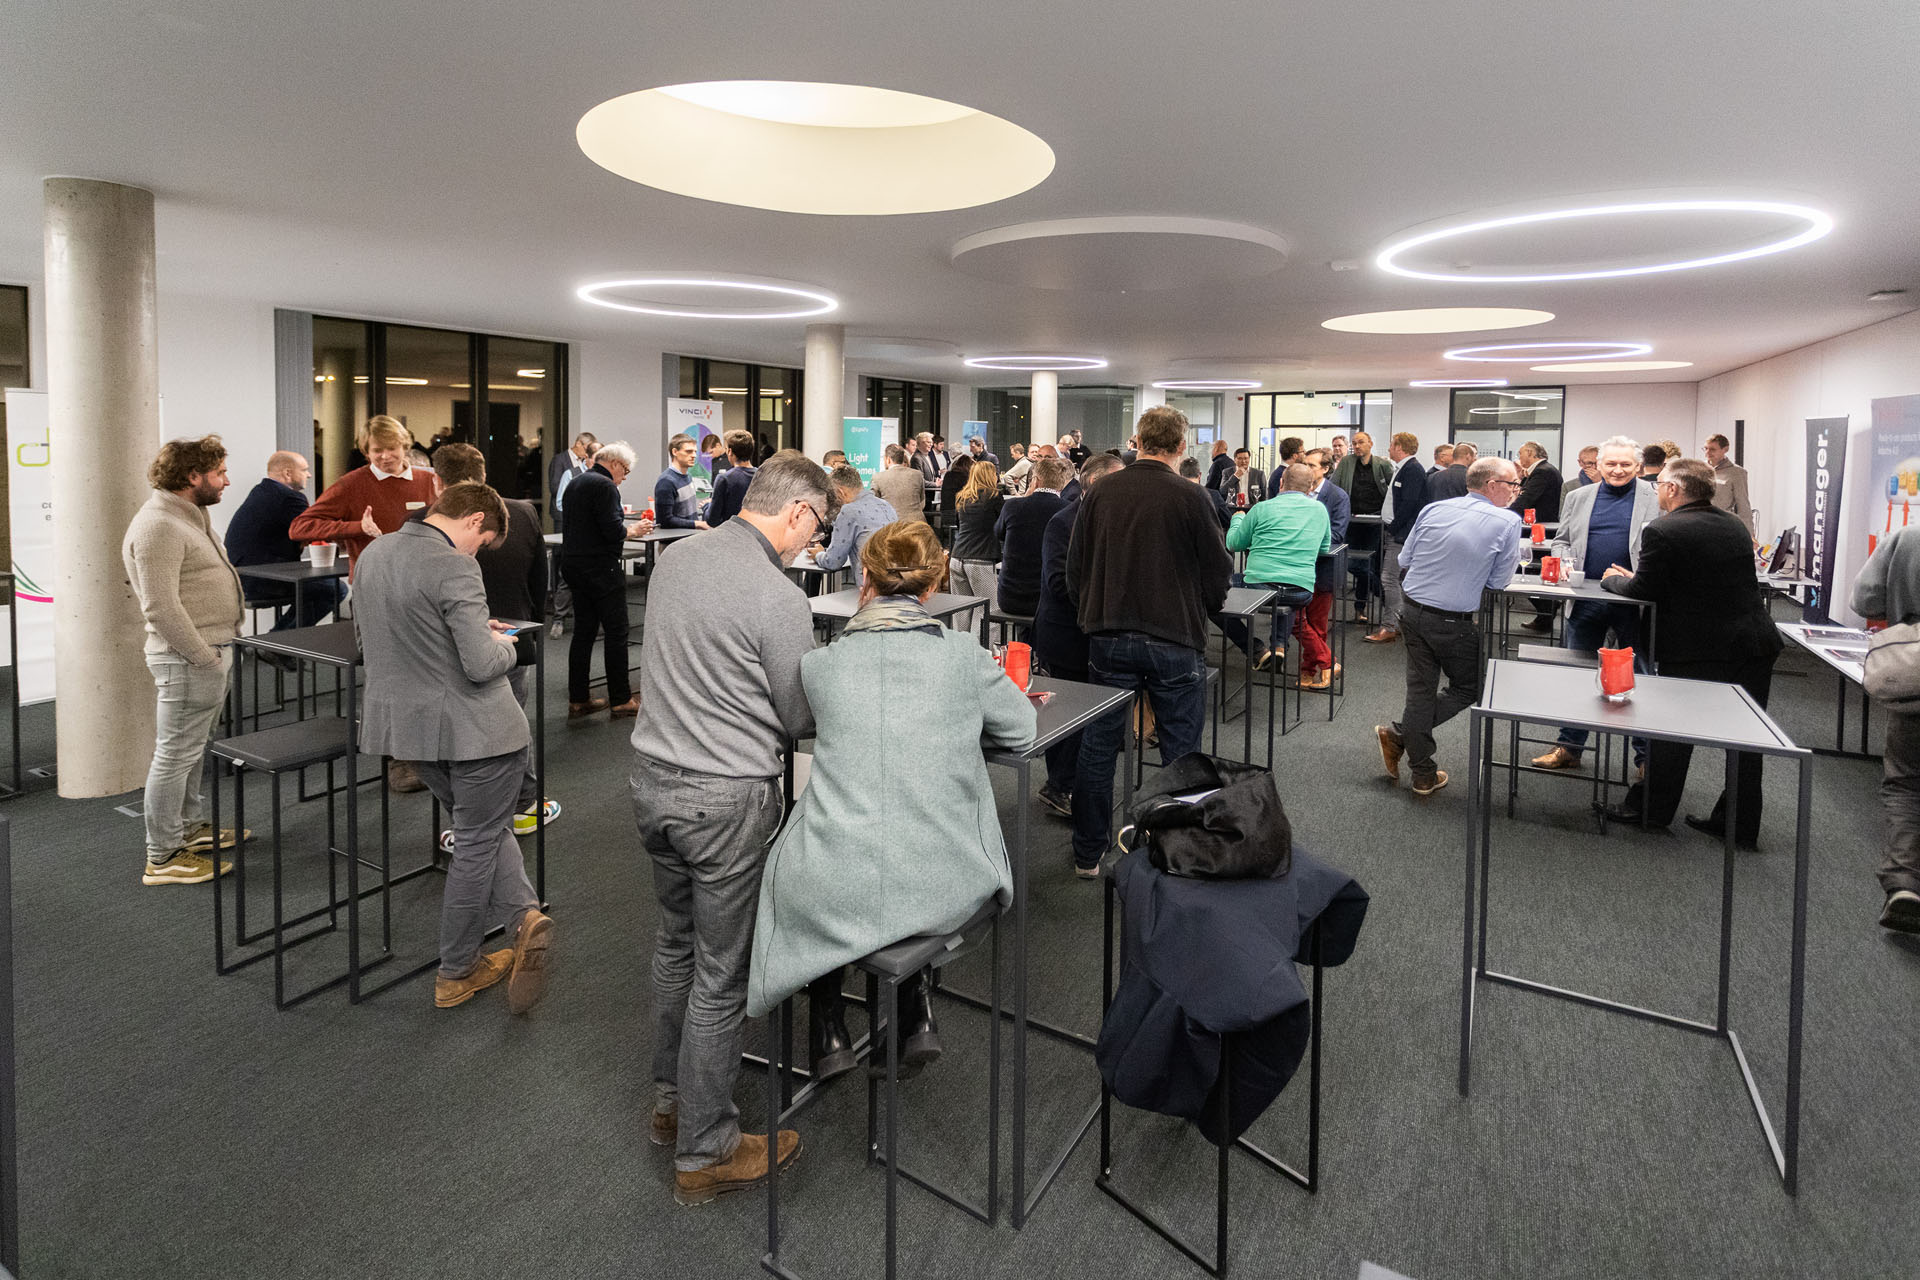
{"points": [[174, 1125]]}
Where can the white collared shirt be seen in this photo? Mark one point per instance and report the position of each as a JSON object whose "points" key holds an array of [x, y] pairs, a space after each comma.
{"points": [[378, 474]]}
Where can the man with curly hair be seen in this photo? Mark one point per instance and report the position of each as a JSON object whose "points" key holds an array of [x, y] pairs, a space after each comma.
{"points": [[190, 597]]}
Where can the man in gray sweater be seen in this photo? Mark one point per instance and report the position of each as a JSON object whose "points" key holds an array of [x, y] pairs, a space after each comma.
{"points": [[190, 597], [706, 798]]}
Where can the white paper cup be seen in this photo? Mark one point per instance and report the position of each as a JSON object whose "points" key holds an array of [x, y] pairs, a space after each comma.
{"points": [[1575, 577], [323, 554]]}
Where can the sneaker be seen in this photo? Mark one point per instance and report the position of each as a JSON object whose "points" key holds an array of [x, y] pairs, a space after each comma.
{"points": [[450, 992], [1058, 801], [530, 943], [182, 868], [1087, 873], [526, 822], [1558, 758], [664, 1129], [1391, 749], [1269, 655], [1902, 912], [200, 839], [1427, 786], [446, 842], [745, 1169]]}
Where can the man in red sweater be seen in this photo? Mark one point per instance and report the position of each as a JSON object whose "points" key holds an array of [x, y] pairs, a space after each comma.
{"points": [[370, 500]]}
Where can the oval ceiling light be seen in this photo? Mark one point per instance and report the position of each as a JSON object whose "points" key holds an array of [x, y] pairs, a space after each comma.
{"points": [[838, 149], [1209, 384], [1619, 366], [1036, 364], [1438, 320], [699, 298], [1459, 382], [1567, 351], [1815, 224]]}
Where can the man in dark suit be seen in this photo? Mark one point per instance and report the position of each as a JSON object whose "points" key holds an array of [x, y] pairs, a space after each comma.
{"points": [[1406, 495], [1021, 529], [1244, 481], [1059, 645], [258, 534], [1452, 482], [1442, 459], [1696, 565], [1539, 487], [437, 695], [1317, 667], [1221, 466]]}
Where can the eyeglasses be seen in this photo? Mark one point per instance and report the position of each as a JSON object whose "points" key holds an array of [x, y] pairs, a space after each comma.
{"points": [[819, 521]]}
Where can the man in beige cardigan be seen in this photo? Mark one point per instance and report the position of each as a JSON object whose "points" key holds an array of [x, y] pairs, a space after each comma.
{"points": [[191, 599]]}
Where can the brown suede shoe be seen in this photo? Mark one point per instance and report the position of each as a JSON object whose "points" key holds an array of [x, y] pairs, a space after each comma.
{"points": [[529, 961], [664, 1130], [1382, 636], [1391, 749], [627, 709], [449, 992], [744, 1169], [1558, 758], [577, 709], [402, 778], [1321, 680]]}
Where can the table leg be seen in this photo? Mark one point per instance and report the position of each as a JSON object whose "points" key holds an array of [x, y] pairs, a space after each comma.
{"points": [[1018, 856], [1796, 994], [540, 763], [1732, 814], [1476, 730]]}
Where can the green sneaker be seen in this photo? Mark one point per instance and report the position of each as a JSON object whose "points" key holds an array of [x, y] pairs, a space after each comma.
{"points": [[526, 822]]}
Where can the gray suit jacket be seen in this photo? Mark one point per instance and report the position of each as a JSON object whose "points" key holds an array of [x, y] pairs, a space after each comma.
{"points": [[1577, 508], [436, 678]]}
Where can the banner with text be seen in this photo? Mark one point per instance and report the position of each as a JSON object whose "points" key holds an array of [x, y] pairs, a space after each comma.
{"points": [[697, 418], [865, 442], [1826, 469], [1893, 468], [30, 506]]}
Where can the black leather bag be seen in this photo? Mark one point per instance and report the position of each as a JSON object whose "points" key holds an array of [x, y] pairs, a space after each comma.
{"points": [[1236, 830]]}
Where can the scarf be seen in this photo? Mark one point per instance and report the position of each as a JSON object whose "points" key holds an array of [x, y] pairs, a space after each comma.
{"points": [[893, 613]]}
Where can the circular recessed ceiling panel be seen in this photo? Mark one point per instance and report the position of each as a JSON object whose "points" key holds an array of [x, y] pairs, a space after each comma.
{"points": [[1603, 239], [1459, 382], [704, 298], [1438, 320], [798, 147], [1036, 364], [1500, 352], [1121, 254], [1208, 384], [1617, 366]]}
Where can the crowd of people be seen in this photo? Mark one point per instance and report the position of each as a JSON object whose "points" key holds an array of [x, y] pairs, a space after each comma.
{"points": [[1113, 567]]}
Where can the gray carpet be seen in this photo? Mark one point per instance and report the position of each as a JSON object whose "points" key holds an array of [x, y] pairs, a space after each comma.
{"points": [[174, 1125]]}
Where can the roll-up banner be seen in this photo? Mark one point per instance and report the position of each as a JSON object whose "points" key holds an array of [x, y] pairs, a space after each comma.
{"points": [[1826, 469], [1893, 468], [30, 503], [865, 441]]}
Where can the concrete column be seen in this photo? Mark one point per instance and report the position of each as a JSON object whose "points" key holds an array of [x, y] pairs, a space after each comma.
{"points": [[103, 402], [820, 424], [1045, 413]]}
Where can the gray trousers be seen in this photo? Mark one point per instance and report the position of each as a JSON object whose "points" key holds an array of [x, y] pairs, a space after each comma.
{"points": [[487, 878], [973, 578], [1900, 799], [1390, 582], [1436, 646], [190, 698], [708, 838]]}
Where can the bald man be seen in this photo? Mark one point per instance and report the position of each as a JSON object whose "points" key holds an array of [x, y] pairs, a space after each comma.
{"points": [[257, 534]]}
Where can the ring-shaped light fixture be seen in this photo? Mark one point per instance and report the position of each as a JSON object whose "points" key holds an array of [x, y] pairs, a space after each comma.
{"points": [[1562, 351], [1036, 364], [1510, 408], [1209, 384], [798, 302], [1459, 382], [1818, 225], [1620, 366]]}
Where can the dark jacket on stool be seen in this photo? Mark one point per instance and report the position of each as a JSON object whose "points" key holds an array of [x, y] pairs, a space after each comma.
{"points": [[257, 534]]}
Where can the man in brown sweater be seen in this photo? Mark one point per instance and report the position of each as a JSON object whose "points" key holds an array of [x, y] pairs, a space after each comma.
{"points": [[371, 500], [190, 597]]}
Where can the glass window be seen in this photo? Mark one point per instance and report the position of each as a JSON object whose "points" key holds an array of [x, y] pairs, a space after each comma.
{"points": [[727, 383], [429, 385], [1203, 410], [341, 395], [1316, 417], [1501, 420], [1102, 415], [774, 425], [15, 371], [525, 423], [1006, 412]]}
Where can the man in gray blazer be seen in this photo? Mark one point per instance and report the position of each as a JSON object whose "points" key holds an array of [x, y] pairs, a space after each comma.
{"points": [[437, 695]]}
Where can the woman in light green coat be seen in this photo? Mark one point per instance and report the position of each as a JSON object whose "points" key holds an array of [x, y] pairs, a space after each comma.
{"points": [[897, 833]]}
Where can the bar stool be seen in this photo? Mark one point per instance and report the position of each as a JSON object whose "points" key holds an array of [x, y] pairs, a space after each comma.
{"points": [[889, 967], [1013, 626], [1599, 775], [286, 748]]}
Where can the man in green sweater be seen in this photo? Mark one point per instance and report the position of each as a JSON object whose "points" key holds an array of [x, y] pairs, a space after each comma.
{"points": [[1284, 538], [190, 598]]}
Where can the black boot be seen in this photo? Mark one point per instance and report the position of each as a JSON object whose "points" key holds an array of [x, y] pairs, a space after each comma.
{"points": [[922, 1043], [829, 1047]]}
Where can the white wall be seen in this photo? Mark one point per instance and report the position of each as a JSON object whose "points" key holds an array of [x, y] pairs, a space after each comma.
{"points": [[216, 375], [1839, 377], [617, 395], [1644, 411]]}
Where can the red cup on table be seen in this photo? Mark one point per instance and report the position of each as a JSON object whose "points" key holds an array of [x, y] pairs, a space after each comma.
{"points": [[1019, 664], [1550, 570], [1539, 534], [1615, 674], [1531, 517]]}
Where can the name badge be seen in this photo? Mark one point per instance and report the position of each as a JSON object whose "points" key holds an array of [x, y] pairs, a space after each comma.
{"points": [[415, 506]]}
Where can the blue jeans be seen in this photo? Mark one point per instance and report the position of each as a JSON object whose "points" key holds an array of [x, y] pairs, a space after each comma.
{"points": [[1588, 626], [1176, 681]]}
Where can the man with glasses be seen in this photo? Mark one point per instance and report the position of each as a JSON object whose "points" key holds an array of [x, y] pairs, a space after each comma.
{"points": [[1589, 472], [706, 800], [1600, 527], [1456, 550]]}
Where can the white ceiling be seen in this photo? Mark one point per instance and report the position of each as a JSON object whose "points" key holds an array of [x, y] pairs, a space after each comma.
{"points": [[414, 159]]}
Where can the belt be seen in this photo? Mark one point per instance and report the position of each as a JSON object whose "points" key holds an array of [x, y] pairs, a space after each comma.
{"points": [[1448, 614]]}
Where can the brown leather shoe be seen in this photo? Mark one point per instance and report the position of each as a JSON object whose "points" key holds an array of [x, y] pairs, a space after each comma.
{"points": [[1558, 758], [1383, 636], [577, 709], [1392, 747], [402, 778], [449, 992], [1427, 786], [744, 1169], [626, 710], [1319, 680], [664, 1129], [528, 981]]}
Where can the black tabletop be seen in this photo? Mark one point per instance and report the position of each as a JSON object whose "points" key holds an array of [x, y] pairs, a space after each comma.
{"points": [[293, 570], [331, 643], [1072, 708], [1697, 711]]}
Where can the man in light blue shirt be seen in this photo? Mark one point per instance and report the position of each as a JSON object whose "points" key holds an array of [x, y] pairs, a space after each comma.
{"points": [[1456, 550], [861, 512]]}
